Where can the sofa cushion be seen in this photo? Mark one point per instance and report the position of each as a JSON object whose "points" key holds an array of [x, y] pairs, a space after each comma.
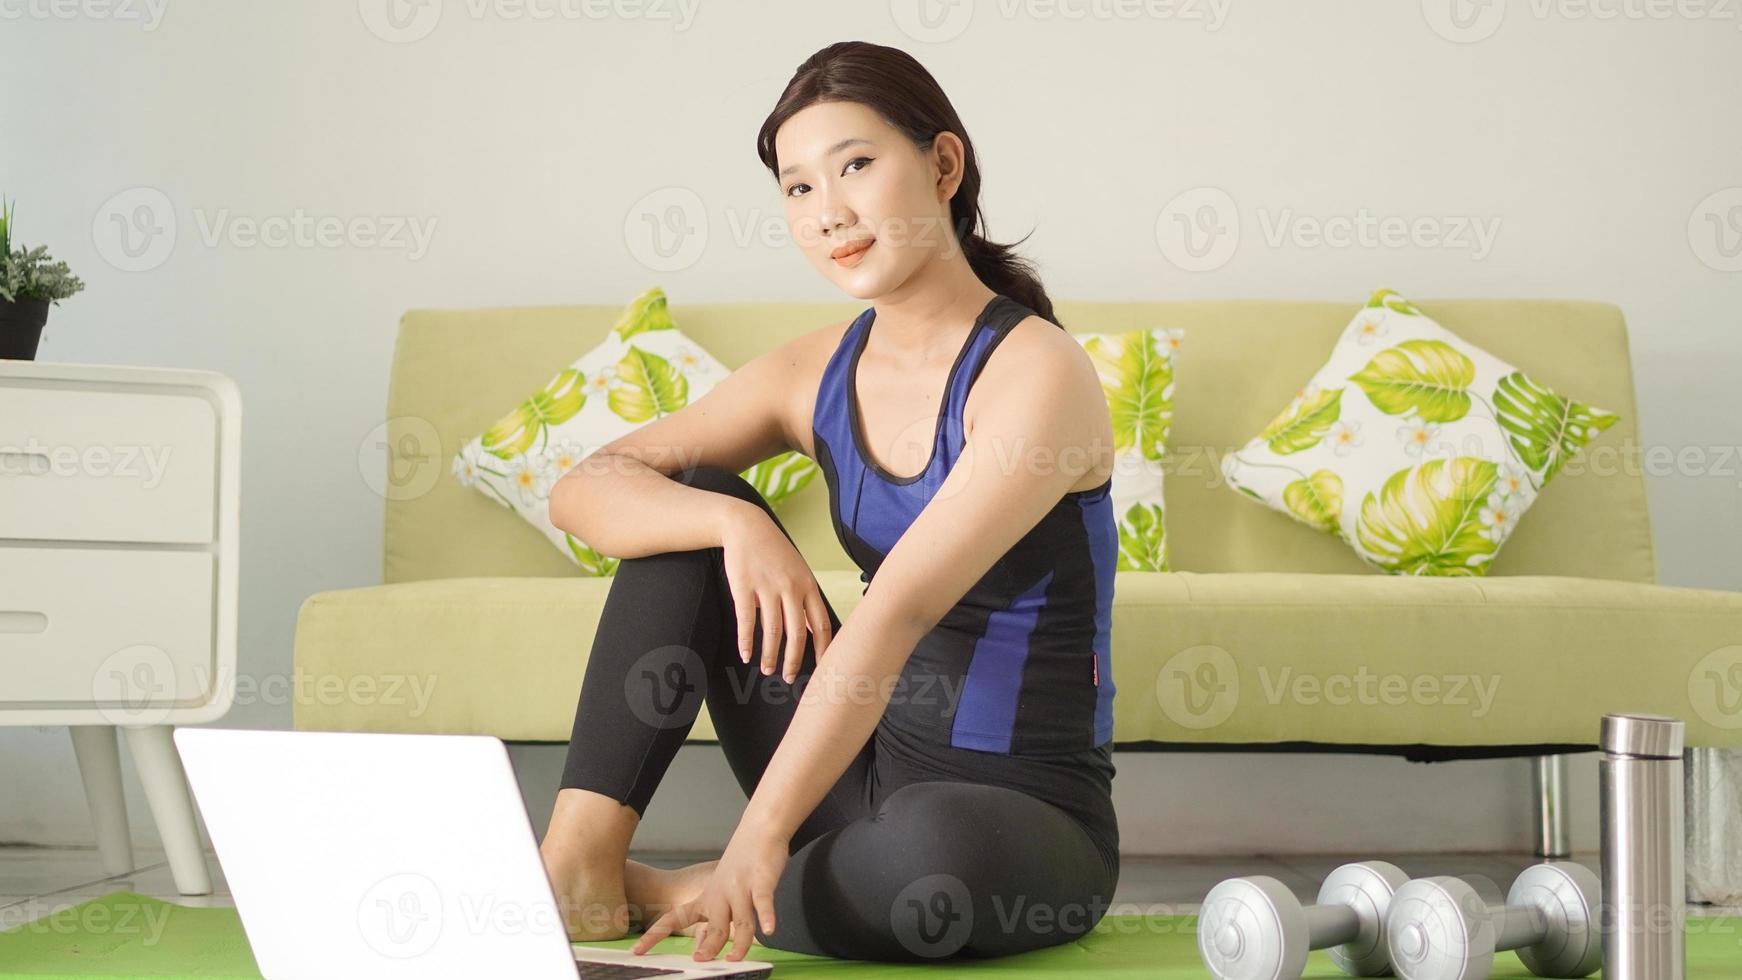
{"points": [[644, 368], [1136, 368], [1417, 448], [1198, 657], [454, 371]]}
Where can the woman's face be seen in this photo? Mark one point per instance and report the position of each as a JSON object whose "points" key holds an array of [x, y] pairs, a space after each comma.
{"points": [[850, 180]]}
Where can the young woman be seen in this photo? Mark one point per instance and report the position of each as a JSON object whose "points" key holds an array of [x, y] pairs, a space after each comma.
{"points": [[933, 777]]}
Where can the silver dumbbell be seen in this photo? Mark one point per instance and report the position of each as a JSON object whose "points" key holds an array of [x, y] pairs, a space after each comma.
{"points": [[1255, 929], [1441, 929]]}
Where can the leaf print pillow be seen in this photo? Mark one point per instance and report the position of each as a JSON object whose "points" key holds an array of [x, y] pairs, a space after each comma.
{"points": [[1417, 448], [1136, 369], [645, 368]]}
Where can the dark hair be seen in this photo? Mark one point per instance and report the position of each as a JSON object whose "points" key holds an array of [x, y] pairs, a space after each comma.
{"points": [[889, 81]]}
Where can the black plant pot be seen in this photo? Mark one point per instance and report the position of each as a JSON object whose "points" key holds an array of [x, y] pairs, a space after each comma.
{"points": [[21, 328]]}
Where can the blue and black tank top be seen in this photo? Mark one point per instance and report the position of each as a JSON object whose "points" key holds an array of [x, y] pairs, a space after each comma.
{"points": [[1022, 664]]}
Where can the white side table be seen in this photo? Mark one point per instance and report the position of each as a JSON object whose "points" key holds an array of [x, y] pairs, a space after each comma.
{"points": [[118, 564]]}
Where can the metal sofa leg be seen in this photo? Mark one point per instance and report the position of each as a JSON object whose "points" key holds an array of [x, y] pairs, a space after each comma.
{"points": [[1553, 822]]}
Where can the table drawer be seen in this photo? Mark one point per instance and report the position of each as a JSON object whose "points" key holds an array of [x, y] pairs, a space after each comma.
{"points": [[118, 628], [114, 464]]}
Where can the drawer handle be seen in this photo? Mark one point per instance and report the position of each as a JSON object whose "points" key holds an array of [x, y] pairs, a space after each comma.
{"points": [[19, 621], [22, 464]]}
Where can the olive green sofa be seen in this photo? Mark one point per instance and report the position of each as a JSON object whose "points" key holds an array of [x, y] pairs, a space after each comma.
{"points": [[1264, 634]]}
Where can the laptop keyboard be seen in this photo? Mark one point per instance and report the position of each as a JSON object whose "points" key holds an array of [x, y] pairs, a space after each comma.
{"points": [[620, 971], [624, 971]]}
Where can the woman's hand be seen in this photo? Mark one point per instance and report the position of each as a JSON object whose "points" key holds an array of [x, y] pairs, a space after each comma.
{"points": [[739, 894], [764, 571]]}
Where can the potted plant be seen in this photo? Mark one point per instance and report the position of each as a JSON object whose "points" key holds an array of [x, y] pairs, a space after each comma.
{"points": [[29, 282]]}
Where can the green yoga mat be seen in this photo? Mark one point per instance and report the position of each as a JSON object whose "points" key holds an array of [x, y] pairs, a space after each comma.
{"points": [[128, 935]]}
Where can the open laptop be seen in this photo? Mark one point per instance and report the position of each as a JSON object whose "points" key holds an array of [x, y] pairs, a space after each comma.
{"points": [[386, 856]]}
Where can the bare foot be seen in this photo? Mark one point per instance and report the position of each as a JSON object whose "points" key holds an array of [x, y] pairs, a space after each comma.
{"points": [[592, 900], [654, 891]]}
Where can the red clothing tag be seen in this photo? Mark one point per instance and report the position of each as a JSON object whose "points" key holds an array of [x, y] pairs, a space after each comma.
{"points": [[1096, 662]]}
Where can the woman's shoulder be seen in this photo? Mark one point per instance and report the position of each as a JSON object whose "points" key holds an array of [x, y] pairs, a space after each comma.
{"points": [[797, 367]]}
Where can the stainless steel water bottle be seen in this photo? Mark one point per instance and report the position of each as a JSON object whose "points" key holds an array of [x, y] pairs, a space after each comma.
{"points": [[1644, 886]]}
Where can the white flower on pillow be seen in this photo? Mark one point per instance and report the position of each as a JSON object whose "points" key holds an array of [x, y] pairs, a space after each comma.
{"points": [[564, 456], [1513, 479], [1420, 436], [531, 476], [600, 382], [467, 464], [1344, 436], [686, 358], [1370, 327], [1501, 515]]}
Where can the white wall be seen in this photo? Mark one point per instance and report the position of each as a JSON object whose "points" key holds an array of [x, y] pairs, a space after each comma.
{"points": [[1589, 145]]}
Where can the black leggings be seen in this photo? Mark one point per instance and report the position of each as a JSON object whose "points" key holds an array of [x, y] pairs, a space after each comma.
{"points": [[918, 852]]}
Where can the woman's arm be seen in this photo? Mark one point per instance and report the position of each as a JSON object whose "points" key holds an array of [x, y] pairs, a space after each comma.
{"points": [[619, 499]]}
